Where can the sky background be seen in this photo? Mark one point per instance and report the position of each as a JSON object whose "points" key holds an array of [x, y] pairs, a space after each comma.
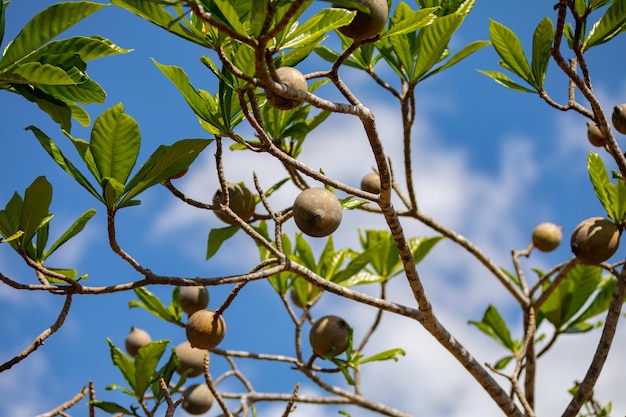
{"points": [[488, 162]]}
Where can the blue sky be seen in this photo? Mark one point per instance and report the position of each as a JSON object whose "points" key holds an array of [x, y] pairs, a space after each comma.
{"points": [[489, 162]]}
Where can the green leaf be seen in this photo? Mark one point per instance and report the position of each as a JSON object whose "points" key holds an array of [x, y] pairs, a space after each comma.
{"points": [[611, 196], [146, 361], [217, 237], [112, 191], [53, 150], [571, 294], [411, 22], [37, 199], [111, 407], [72, 231], [115, 142], [542, 47], [611, 24], [152, 304], [35, 73], [195, 100], [165, 161], [504, 80], [598, 305], [45, 26], [458, 57], [154, 12], [230, 15], [391, 354], [432, 42], [123, 363], [502, 363], [314, 29], [420, 247], [508, 46], [10, 220], [3, 6], [86, 47], [494, 325], [166, 372]]}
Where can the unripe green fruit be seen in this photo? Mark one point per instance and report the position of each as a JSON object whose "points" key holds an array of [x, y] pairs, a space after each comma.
{"points": [[367, 25], [317, 212], [292, 78], [619, 118], [595, 135], [136, 339], [191, 359], [371, 183], [329, 336], [192, 299], [595, 240], [240, 200], [205, 330], [197, 399], [547, 236]]}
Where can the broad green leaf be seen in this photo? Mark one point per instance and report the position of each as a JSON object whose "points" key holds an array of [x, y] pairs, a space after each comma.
{"points": [[123, 363], [112, 191], [154, 12], [165, 161], [86, 47], [86, 92], [317, 26], [458, 57], [611, 24], [420, 247], [596, 4], [403, 49], [357, 264], [502, 363], [9, 238], [432, 41], [542, 47], [611, 196], [508, 46], [42, 238], [571, 294], [166, 372], [305, 253], [35, 73], [73, 230], [146, 361], [391, 354], [115, 142], [217, 237], [504, 80], [58, 111], [412, 22], [494, 325], [331, 56], [111, 407], [600, 303], [231, 16], [152, 304], [198, 104], [67, 273], [10, 219], [46, 25], [53, 150], [37, 199]]}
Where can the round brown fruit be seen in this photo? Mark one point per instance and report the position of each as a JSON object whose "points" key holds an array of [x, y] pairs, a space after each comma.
{"points": [[317, 212], [367, 25], [329, 336], [595, 240], [136, 339], [291, 77], [179, 174], [197, 399], [205, 330], [192, 299], [595, 135], [547, 236], [619, 118], [240, 200], [371, 183], [191, 359]]}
